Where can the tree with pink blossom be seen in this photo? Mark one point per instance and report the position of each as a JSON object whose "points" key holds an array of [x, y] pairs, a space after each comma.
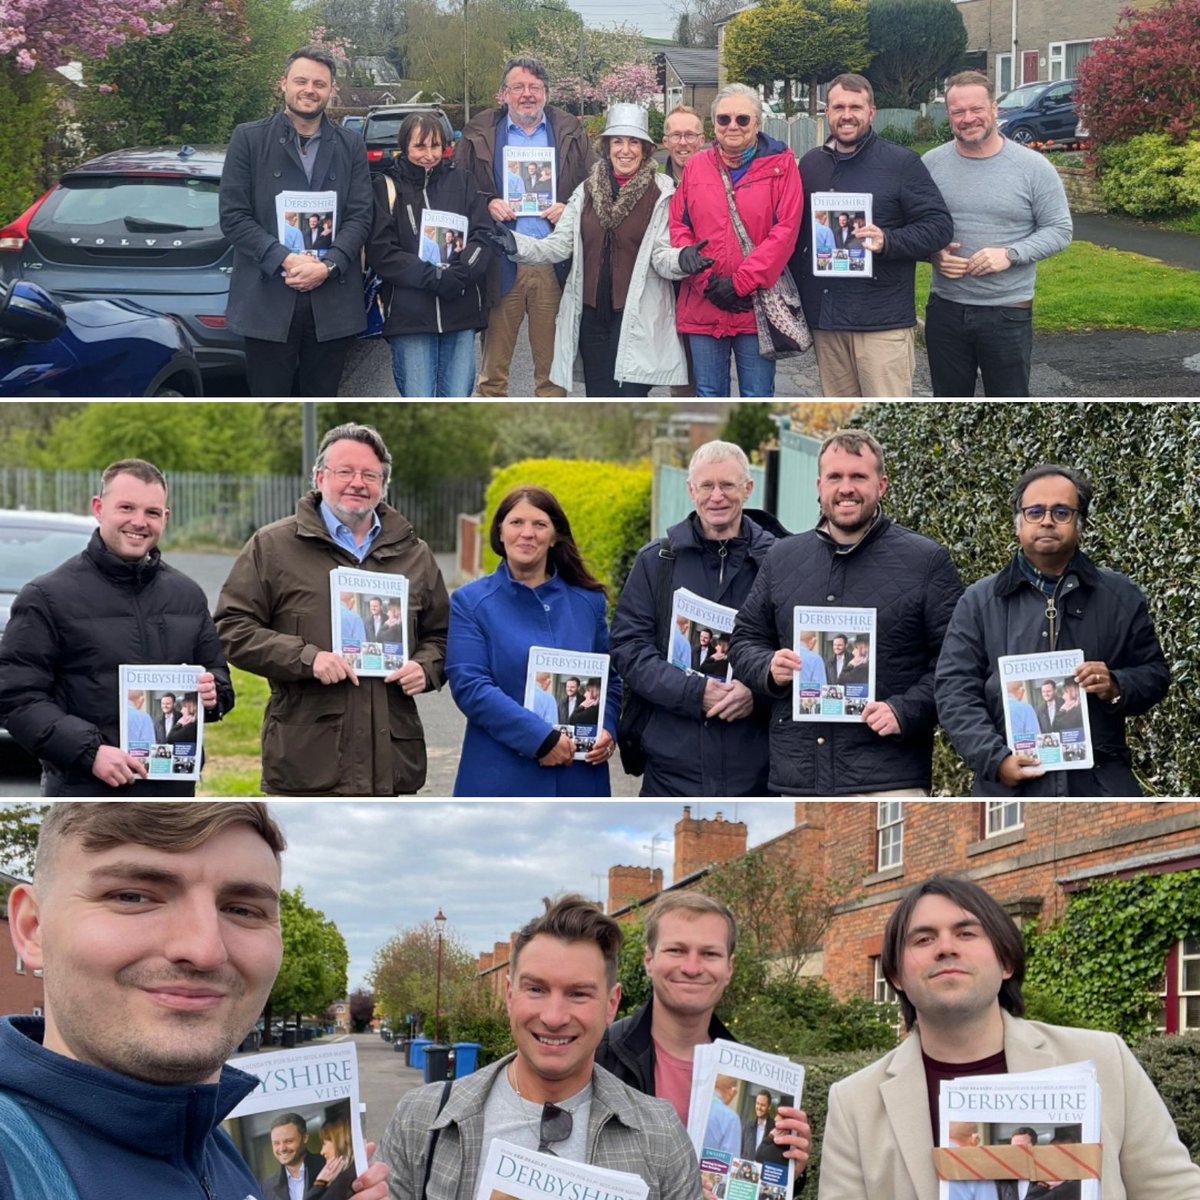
{"points": [[629, 83], [51, 33]]}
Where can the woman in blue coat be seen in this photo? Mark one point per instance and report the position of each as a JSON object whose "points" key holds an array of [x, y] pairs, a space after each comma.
{"points": [[541, 594]]}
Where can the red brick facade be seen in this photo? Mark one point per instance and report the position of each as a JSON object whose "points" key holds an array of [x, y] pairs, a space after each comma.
{"points": [[21, 991]]}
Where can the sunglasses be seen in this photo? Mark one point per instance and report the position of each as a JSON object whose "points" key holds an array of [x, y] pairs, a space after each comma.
{"points": [[557, 1125], [743, 120]]}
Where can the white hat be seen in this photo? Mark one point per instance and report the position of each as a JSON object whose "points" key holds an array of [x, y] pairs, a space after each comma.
{"points": [[627, 120]]}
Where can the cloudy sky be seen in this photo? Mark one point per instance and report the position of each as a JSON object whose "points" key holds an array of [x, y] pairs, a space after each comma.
{"points": [[379, 868]]}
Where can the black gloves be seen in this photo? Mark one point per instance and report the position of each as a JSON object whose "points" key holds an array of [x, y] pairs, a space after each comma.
{"points": [[719, 291], [450, 282], [691, 260], [501, 237]]}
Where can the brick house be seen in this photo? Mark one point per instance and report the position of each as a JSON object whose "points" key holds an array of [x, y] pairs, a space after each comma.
{"points": [[21, 989], [691, 78]]}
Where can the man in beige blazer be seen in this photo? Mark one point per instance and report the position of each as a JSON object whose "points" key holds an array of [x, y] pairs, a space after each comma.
{"points": [[956, 960]]}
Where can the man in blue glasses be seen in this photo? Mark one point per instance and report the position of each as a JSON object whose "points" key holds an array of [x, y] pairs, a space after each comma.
{"points": [[1050, 597]]}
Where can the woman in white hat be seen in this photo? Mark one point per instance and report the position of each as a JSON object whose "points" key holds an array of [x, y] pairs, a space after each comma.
{"points": [[618, 305]]}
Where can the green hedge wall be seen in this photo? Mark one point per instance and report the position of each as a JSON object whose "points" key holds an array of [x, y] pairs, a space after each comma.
{"points": [[608, 507], [951, 466]]}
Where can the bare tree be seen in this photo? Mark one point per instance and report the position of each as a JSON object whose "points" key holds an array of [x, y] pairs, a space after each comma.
{"points": [[699, 18]]}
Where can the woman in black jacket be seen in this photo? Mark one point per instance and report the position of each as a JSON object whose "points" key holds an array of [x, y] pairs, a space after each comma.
{"points": [[434, 302]]}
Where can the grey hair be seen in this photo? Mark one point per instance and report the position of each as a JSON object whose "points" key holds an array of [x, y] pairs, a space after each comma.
{"points": [[353, 432], [712, 452], [532, 65], [739, 89]]}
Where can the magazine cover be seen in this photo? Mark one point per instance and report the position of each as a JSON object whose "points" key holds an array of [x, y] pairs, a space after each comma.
{"points": [[568, 688], [700, 633], [529, 178], [369, 619], [513, 1173], [836, 677], [838, 219], [307, 221], [162, 719], [316, 1085], [443, 236], [736, 1092], [1045, 710], [1035, 1125]]}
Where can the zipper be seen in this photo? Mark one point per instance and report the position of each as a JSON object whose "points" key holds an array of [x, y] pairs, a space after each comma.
{"points": [[722, 554], [437, 303], [1052, 613]]}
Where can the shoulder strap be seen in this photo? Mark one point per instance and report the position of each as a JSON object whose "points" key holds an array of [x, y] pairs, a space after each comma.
{"points": [[35, 1170], [433, 1138], [662, 597]]}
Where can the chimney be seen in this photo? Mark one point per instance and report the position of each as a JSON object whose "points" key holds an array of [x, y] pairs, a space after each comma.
{"points": [[700, 842], [630, 885]]}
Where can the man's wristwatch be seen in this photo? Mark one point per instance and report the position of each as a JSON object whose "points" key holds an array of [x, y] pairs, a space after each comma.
{"points": [[331, 266], [1013, 256]]}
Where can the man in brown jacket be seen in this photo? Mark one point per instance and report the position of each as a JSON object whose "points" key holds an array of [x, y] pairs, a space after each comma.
{"points": [[524, 120], [326, 731]]}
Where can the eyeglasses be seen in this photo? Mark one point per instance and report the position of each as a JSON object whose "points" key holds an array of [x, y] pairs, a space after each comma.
{"points": [[1060, 514], [557, 1124], [345, 474], [534, 89], [726, 489], [683, 137], [743, 119]]}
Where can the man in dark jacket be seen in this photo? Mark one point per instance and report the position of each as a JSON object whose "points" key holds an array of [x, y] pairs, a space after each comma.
{"points": [[298, 313], [1050, 597], [525, 119], [856, 558], [289, 1145], [71, 630], [863, 327], [704, 736]]}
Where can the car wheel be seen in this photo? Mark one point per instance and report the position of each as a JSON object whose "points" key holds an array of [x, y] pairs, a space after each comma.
{"points": [[165, 393], [1023, 134]]}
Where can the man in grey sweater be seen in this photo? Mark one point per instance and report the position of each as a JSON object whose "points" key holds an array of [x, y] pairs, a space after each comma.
{"points": [[1009, 210]]}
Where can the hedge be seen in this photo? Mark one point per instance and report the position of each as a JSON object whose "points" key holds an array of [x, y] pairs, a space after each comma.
{"points": [[951, 466], [607, 505]]}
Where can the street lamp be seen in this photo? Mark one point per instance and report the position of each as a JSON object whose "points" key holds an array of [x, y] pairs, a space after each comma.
{"points": [[440, 922]]}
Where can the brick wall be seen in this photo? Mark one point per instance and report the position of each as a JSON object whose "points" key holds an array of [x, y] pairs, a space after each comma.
{"points": [[19, 992], [700, 842], [632, 885]]}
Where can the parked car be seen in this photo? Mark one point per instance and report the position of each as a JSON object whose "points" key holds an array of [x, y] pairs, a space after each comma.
{"points": [[141, 223], [1039, 112], [90, 347], [354, 121], [383, 125]]}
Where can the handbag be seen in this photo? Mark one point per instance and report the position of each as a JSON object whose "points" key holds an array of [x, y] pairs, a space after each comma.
{"points": [[373, 295], [782, 330]]}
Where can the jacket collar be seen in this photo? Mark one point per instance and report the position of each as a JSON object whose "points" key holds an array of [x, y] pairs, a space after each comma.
{"points": [[687, 535], [1012, 580], [134, 574], [830, 148], [412, 174], [880, 523], [394, 526], [642, 1019]]}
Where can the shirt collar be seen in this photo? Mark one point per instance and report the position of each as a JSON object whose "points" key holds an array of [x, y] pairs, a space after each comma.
{"points": [[344, 535], [513, 127]]}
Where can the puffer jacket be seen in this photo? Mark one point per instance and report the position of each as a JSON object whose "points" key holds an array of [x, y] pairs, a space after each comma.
{"points": [[274, 616], [649, 349], [411, 304], [687, 754], [913, 585], [69, 632], [1100, 612], [769, 200]]}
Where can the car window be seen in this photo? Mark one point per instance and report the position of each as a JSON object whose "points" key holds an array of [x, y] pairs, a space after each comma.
{"points": [[27, 551], [1021, 96], [383, 129], [1061, 93], [189, 203]]}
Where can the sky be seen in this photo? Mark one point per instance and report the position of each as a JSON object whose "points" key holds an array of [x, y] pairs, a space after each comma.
{"points": [[653, 17], [379, 868]]}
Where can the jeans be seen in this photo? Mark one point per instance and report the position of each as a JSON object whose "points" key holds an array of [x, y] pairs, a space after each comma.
{"points": [[598, 349], [710, 359], [963, 340], [434, 364]]}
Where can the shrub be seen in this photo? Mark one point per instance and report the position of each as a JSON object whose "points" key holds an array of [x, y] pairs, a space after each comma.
{"points": [[1151, 175], [1173, 1064], [29, 122], [897, 134]]}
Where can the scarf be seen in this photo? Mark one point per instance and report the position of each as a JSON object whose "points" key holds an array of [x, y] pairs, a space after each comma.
{"points": [[612, 203], [736, 161]]}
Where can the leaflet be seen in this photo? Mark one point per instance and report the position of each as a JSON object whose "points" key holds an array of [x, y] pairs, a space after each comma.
{"points": [[369, 619], [836, 677], [514, 1173], [1036, 1125], [838, 247], [738, 1160], [1045, 710], [307, 221], [162, 719], [319, 1084], [530, 178], [568, 688], [443, 236], [700, 632]]}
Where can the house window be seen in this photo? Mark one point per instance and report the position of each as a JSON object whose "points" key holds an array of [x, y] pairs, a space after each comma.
{"points": [[889, 834], [1004, 76], [1000, 816], [884, 993], [1065, 58]]}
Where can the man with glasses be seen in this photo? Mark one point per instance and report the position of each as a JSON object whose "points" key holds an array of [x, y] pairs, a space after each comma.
{"points": [[683, 135], [1050, 597], [549, 1095], [326, 730], [515, 292]]}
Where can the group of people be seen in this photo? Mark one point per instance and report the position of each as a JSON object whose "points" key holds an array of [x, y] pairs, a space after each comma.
{"points": [[157, 927], [703, 729], [649, 277]]}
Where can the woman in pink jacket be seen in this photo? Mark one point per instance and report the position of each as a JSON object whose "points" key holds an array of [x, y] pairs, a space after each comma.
{"points": [[715, 309]]}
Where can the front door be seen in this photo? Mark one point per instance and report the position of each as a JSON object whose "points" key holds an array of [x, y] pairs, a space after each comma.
{"points": [[1029, 66]]}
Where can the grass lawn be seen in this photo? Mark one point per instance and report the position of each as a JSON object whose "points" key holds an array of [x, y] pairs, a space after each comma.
{"points": [[1087, 287], [232, 746]]}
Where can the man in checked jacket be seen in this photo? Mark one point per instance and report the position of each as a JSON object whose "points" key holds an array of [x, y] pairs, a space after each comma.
{"points": [[562, 991]]}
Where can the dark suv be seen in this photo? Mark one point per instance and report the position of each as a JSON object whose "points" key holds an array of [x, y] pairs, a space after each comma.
{"points": [[383, 124], [1039, 112], [140, 224]]}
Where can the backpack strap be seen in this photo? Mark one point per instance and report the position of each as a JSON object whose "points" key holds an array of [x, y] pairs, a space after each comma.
{"points": [[34, 1167], [433, 1139], [664, 593]]}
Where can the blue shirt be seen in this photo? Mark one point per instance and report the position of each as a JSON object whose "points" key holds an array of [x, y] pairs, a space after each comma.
{"points": [[139, 726], [293, 239], [724, 1130], [824, 238], [812, 668], [344, 536], [429, 250], [681, 650], [537, 227], [543, 704], [352, 627], [1024, 720]]}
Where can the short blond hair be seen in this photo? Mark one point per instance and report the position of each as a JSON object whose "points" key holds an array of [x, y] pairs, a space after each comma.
{"points": [[692, 904]]}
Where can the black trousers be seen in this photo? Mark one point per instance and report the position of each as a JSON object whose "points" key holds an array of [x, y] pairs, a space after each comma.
{"points": [[598, 349], [966, 340], [301, 366]]}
